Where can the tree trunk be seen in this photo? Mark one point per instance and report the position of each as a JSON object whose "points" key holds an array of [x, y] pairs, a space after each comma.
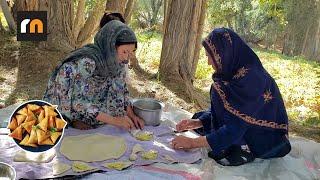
{"points": [[60, 36], [8, 16], [79, 18], [198, 40], [155, 7], [25, 5], [128, 11], [116, 6], [305, 41], [316, 53], [91, 25], [165, 11], [180, 45]]}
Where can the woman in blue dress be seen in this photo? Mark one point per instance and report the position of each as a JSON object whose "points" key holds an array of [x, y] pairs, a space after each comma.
{"points": [[247, 118]]}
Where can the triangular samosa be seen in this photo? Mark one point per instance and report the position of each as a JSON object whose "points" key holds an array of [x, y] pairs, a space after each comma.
{"points": [[60, 124], [41, 116], [33, 107], [51, 122], [32, 145], [13, 124], [25, 140], [17, 133], [44, 124], [49, 111], [46, 142], [54, 136], [23, 111], [30, 116], [41, 135], [33, 136], [20, 119], [28, 125]]}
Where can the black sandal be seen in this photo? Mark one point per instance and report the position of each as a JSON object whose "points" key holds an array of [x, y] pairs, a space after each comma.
{"points": [[235, 156]]}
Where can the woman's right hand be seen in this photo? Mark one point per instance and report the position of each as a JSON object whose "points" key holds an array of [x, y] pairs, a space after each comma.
{"points": [[123, 122], [188, 124]]}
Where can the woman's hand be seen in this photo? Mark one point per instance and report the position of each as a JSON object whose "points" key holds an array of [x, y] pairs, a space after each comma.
{"points": [[138, 122], [123, 122], [188, 124], [182, 142]]}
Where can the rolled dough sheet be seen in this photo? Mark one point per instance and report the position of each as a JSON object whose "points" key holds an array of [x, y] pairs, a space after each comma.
{"points": [[23, 156], [93, 147]]}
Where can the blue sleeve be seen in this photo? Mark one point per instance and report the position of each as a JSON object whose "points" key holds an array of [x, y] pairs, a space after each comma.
{"points": [[205, 118], [231, 132]]}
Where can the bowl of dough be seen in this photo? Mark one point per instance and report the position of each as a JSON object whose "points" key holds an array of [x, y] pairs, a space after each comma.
{"points": [[149, 110], [36, 126]]}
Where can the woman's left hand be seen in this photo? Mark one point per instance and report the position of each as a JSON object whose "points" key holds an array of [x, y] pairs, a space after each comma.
{"points": [[182, 142], [138, 122]]}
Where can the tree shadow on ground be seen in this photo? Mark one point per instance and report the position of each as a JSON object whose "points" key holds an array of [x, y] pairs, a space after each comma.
{"points": [[34, 67]]}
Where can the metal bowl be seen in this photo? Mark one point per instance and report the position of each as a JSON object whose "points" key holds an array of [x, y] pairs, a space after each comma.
{"points": [[7, 172], [149, 110]]}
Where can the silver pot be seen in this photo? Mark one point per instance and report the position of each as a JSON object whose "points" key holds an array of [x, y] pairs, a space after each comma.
{"points": [[7, 172], [149, 110]]}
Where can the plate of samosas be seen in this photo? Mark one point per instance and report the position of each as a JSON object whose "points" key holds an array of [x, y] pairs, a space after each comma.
{"points": [[36, 126]]}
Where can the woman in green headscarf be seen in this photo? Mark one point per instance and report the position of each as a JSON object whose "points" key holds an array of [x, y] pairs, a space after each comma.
{"points": [[89, 86]]}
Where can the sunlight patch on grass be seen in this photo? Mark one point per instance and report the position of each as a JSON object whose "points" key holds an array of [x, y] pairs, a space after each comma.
{"points": [[149, 51]]}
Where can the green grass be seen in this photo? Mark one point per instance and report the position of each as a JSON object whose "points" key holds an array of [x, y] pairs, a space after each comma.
{"points": [[298, 79]]}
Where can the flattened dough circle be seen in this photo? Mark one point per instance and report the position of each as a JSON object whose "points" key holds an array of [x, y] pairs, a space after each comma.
{"points": [[93, 147]]}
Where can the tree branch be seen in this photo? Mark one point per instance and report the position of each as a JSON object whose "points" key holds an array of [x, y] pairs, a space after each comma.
{"points": [[79, 18], [91, 24], [8, 15]]}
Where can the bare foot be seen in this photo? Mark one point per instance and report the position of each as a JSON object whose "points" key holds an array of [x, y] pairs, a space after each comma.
{"points": [[80, 125]]}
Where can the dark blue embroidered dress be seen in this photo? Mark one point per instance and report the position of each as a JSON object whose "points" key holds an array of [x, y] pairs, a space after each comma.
{"points": [[246, 104]]}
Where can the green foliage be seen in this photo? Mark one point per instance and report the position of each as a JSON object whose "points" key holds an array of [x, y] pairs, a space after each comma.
{"points": [[148, 14], [255, 20]]}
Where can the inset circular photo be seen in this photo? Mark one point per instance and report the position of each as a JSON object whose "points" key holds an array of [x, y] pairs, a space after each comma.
{"points": [[36, 126]]}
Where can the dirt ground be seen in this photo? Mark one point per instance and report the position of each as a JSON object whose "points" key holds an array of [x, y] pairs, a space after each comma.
{"points": [[25, 69]]}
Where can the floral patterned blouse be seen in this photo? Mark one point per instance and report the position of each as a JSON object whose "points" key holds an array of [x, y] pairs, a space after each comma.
{"points": [[81, 95]]}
